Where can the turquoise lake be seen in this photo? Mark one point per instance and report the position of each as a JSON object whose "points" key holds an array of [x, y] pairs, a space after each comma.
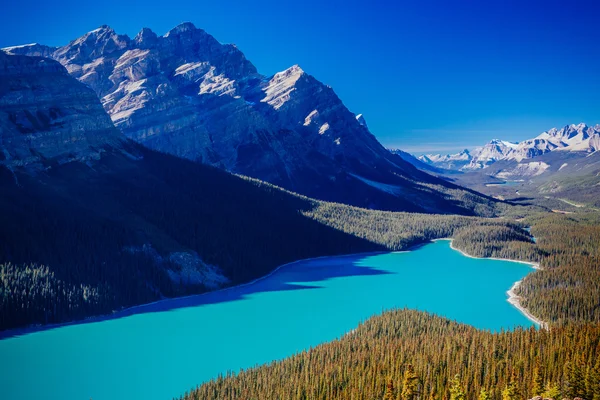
{"points": [[169, 347]]}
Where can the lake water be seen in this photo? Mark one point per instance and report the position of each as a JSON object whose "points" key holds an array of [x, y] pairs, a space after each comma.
{"points": [[172, 346]]}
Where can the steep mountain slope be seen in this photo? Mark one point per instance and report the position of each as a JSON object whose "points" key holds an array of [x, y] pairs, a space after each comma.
{"points": [[45, 115], [186, 94], [108, 223]]}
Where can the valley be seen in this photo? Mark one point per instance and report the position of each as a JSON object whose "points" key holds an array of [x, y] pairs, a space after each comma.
{"points": [[176, 224], [298, 306]]}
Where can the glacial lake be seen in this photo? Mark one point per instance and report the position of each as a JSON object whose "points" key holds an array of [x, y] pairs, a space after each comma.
{"points": [[161, 350]]}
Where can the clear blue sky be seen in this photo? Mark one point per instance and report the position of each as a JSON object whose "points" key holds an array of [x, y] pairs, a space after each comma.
{"points": [[427, 75]]}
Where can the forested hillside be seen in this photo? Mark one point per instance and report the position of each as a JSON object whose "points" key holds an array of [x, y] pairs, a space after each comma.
{"points": [[568, 286], [406, 354]]}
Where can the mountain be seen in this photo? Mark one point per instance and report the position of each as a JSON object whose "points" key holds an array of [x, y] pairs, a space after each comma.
{"points": [[420, 163], [46, 115], [490, 153], [579, 139], [449, 161], [188, 95], [573, 138], [115, 224]]}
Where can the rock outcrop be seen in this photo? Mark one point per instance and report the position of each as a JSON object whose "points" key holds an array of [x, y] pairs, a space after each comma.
{"points": [[47, 116]]}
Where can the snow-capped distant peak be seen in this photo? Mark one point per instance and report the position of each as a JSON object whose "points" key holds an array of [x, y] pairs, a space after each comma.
{"points": [[505, 143]]}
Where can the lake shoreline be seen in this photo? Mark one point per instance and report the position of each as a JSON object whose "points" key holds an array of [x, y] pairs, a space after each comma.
{"points": [[133, 310], [129, 311], [513, 298]]}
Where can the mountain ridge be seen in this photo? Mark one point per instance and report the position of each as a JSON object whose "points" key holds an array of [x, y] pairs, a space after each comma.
{"points": [[572, 138]]}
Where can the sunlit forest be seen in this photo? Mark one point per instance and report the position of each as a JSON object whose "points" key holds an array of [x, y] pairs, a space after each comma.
{"points": [[405, 354]]}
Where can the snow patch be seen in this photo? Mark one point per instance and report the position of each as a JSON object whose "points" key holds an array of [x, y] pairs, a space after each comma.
{"points": [[309, 118], [281, 86], [324, 128], [533, 168]]}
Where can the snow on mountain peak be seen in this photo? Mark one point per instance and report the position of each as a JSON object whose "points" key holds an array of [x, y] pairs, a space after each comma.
{"points": [[281, 85], [574, 137]]}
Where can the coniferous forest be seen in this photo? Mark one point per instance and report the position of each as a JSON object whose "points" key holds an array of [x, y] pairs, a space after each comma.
{"points": [[405, 354]]}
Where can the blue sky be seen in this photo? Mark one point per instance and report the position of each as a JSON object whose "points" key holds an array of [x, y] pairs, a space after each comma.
{"points": [[427, 75]]}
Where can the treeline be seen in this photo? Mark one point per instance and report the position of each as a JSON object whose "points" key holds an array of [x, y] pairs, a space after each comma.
{"points": [[499, 241], [400, 230], [406, 354]]}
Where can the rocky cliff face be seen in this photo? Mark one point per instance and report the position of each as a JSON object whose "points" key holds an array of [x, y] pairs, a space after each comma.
{"points": [[46, 115], [186, 94]]}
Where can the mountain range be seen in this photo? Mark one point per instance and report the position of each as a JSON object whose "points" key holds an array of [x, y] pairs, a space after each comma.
{"points": [[523, 157], [188, 95]]}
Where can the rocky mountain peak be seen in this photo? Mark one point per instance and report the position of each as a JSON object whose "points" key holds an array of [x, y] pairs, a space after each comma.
{"points": [[100, 42], [182, 28], [146, 38]]}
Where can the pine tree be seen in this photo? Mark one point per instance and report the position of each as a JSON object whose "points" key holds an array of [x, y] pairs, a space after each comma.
{"points": [[484, 395], [552, 391], [456, 390], [510, 392], [575, 385], [595, 379], [389, 391], [410, 383], [537, 387]]}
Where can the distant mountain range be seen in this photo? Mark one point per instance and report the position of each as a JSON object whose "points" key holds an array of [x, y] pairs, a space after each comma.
{"points": [[566, 142], [188, 95]]}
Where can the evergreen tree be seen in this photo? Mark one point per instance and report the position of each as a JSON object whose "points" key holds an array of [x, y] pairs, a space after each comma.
{"points": [[456, 390], [575, 384], [552, 391], [410, 383], [510, 391], [389, 391], [484, 395], [537, 387]]}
